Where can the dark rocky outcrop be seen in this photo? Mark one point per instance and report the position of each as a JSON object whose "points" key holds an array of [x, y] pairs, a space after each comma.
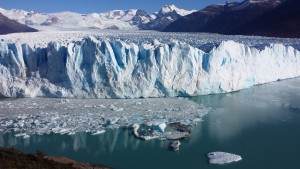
{"points": [[278, 18], [10, 26]]}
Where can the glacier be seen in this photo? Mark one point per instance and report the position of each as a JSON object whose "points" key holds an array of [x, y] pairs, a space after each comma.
{"points": [[95, 66]]}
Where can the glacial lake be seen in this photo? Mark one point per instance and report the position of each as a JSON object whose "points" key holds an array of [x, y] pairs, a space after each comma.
{"points": [[261, 124]]}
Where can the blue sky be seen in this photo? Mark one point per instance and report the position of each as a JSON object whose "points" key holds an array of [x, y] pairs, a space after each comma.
{"points": [[89, 6]]}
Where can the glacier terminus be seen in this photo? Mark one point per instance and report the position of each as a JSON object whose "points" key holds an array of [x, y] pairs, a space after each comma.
{"points": [[91, 64]]}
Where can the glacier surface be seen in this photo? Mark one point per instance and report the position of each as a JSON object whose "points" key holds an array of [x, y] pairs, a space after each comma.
{"points": [[140, 65]]}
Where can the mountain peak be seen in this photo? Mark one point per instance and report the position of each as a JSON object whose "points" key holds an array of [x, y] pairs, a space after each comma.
{"points": [[171, 8], [168, 8]]}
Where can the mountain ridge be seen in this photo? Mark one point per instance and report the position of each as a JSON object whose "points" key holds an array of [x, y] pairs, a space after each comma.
{"points": [[222, 18], [131, 19]]}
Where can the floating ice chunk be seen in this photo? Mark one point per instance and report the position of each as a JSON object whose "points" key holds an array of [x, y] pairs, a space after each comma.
{"points": [[64, 131], [158, 124], [161, 127], [222, 158], [112, 120], [175, 145], [135, 128], [20, 134], [149, 136], [176, 135], [24, 135], [119, 109], [71, 133], [101, 106], [98, 132]]}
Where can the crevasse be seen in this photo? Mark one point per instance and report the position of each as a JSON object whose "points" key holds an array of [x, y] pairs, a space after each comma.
{"points": [[93, 68]]}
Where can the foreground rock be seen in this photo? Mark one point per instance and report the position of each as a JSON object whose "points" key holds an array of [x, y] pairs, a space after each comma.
{"points": [[75, 164], [12, 158], [222, 158]]}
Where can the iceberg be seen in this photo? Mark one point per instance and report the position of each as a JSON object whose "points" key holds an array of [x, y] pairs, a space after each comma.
{"points": [[175, 145], [98, 132], [112, 67], [222, 158]]}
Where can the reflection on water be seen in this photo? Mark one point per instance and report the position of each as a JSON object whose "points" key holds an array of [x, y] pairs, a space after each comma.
{"points": [[236, 112], [106, 143], [260, 123]]}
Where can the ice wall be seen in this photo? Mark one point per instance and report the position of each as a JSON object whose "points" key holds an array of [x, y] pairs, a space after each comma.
{"points": [[92, 68]]}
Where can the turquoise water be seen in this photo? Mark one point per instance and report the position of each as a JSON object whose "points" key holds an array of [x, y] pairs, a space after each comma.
{"points": [[261, 124]]}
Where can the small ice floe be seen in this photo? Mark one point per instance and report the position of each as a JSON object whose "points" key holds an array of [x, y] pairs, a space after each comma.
{"points": [[24, 135], [176, 135], [158, 125], [144, 135], [98, 132], [161, 127], [135, 128], [112, 120], [150, 137], [222, 158], [71, 133], [175, 145]]}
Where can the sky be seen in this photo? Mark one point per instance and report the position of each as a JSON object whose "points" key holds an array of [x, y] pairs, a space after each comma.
{"points": [[90, 6]]}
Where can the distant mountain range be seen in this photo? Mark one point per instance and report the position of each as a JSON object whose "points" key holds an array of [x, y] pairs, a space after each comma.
{"points": [[250, 17], [278, 18], [132, 19], [11, 26]]}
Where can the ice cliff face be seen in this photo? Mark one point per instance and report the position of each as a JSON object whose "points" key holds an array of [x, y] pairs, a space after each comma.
{"points": [[94, 68]]}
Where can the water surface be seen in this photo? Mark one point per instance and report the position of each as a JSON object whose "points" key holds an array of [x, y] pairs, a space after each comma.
{"points": [[260, 123]]}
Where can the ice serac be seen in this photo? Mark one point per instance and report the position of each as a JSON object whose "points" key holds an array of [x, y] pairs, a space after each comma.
{"points": [[110, 68]]}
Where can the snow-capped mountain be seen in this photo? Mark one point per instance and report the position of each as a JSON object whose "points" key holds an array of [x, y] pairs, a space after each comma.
{"points": [[196, 20], [71, 19], [117, 19], [11, 26], [166, 15], [172, 8]]}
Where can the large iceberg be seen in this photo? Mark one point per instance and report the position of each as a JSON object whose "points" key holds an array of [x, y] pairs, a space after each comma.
{"points": [[106, 67]]}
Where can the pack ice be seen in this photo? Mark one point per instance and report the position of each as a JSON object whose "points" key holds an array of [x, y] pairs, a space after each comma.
{"points": [[96, 66]]}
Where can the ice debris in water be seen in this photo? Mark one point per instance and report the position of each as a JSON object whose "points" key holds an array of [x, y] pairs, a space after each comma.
{"points": [[222, 158], [28, 116]]}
